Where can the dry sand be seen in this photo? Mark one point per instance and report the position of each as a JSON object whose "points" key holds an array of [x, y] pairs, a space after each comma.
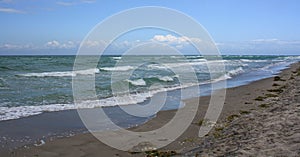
{"points": [[246, 127]]}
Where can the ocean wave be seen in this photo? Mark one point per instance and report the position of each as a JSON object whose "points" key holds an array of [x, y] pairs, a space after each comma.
{"points": [[292, 57], [193, 57], [166, 78], [116, 58], [249, 60], [8, 113], [199, 60], [271, 65], [118, 68], [138, 82], [61, 74], [235, 72], [2, 84], [4, 68], [185, 64]]}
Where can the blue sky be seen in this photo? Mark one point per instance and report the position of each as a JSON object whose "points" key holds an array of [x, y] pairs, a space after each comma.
{"points": [[238, 27]]}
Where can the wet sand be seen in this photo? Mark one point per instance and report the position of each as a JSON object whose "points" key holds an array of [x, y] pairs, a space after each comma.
{"points": [[240, 101]]}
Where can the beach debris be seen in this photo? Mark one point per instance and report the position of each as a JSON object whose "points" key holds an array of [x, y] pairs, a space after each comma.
{"points": [[260, 98], [277, 78], [41, 142], [232, 117], [142, 147], [264, 105], [271, 95], [244, 112], [206, 122], [161, 153], [275, 84]]}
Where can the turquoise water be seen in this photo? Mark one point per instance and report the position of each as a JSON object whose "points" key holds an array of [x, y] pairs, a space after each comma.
{"points": [[31, 85]]}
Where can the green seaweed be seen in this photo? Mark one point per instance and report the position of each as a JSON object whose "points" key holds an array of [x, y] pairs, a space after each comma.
{"points": [[189, 140], [277, 78], [202, 122], [271, 95], [217, 134], [232, 117], [264, 105], [244, 112], [157, 153], [278, 90], [219, 128], [260, 98]]}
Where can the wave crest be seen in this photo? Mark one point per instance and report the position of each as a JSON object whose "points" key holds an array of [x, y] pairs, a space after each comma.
{"points": [[62, 74]]}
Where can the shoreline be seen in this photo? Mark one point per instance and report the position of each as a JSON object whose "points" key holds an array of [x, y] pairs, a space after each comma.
{"points": [[238, 99]]}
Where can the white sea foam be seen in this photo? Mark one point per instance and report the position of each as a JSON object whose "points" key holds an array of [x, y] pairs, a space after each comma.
{"points": [[228, 75], [166, 78], [41, 142], [235, 72], [116, 58], [62, 74], [117, 68], [8, 113], [138, 82], [200, 60], [192, 57], [249, 60]]}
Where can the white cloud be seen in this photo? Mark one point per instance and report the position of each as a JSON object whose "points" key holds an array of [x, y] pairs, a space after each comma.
{"points": [[182, 42], [71, 3], [53, 44], [88, 1], [174, 40], [65, 3], [93, 44], [11, 10], [9, 46], [266, 40], [57, 45], [171, 39]]}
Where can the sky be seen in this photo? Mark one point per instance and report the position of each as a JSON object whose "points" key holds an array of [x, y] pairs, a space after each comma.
{"points": [[57, 27]]}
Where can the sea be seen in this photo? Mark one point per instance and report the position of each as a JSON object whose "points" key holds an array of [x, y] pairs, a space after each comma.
{"points": [[32, 85]]}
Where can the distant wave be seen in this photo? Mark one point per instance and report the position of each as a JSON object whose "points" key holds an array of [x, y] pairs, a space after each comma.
{"points": [[250, 60], [5, 68], [195, 62], [61, 74], [166, 78], [193, 57], [116, 58], [117, 68], [138, 82], [2, 84]]}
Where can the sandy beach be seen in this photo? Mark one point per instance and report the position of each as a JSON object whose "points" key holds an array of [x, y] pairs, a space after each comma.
{"points": [[261, 118]]}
